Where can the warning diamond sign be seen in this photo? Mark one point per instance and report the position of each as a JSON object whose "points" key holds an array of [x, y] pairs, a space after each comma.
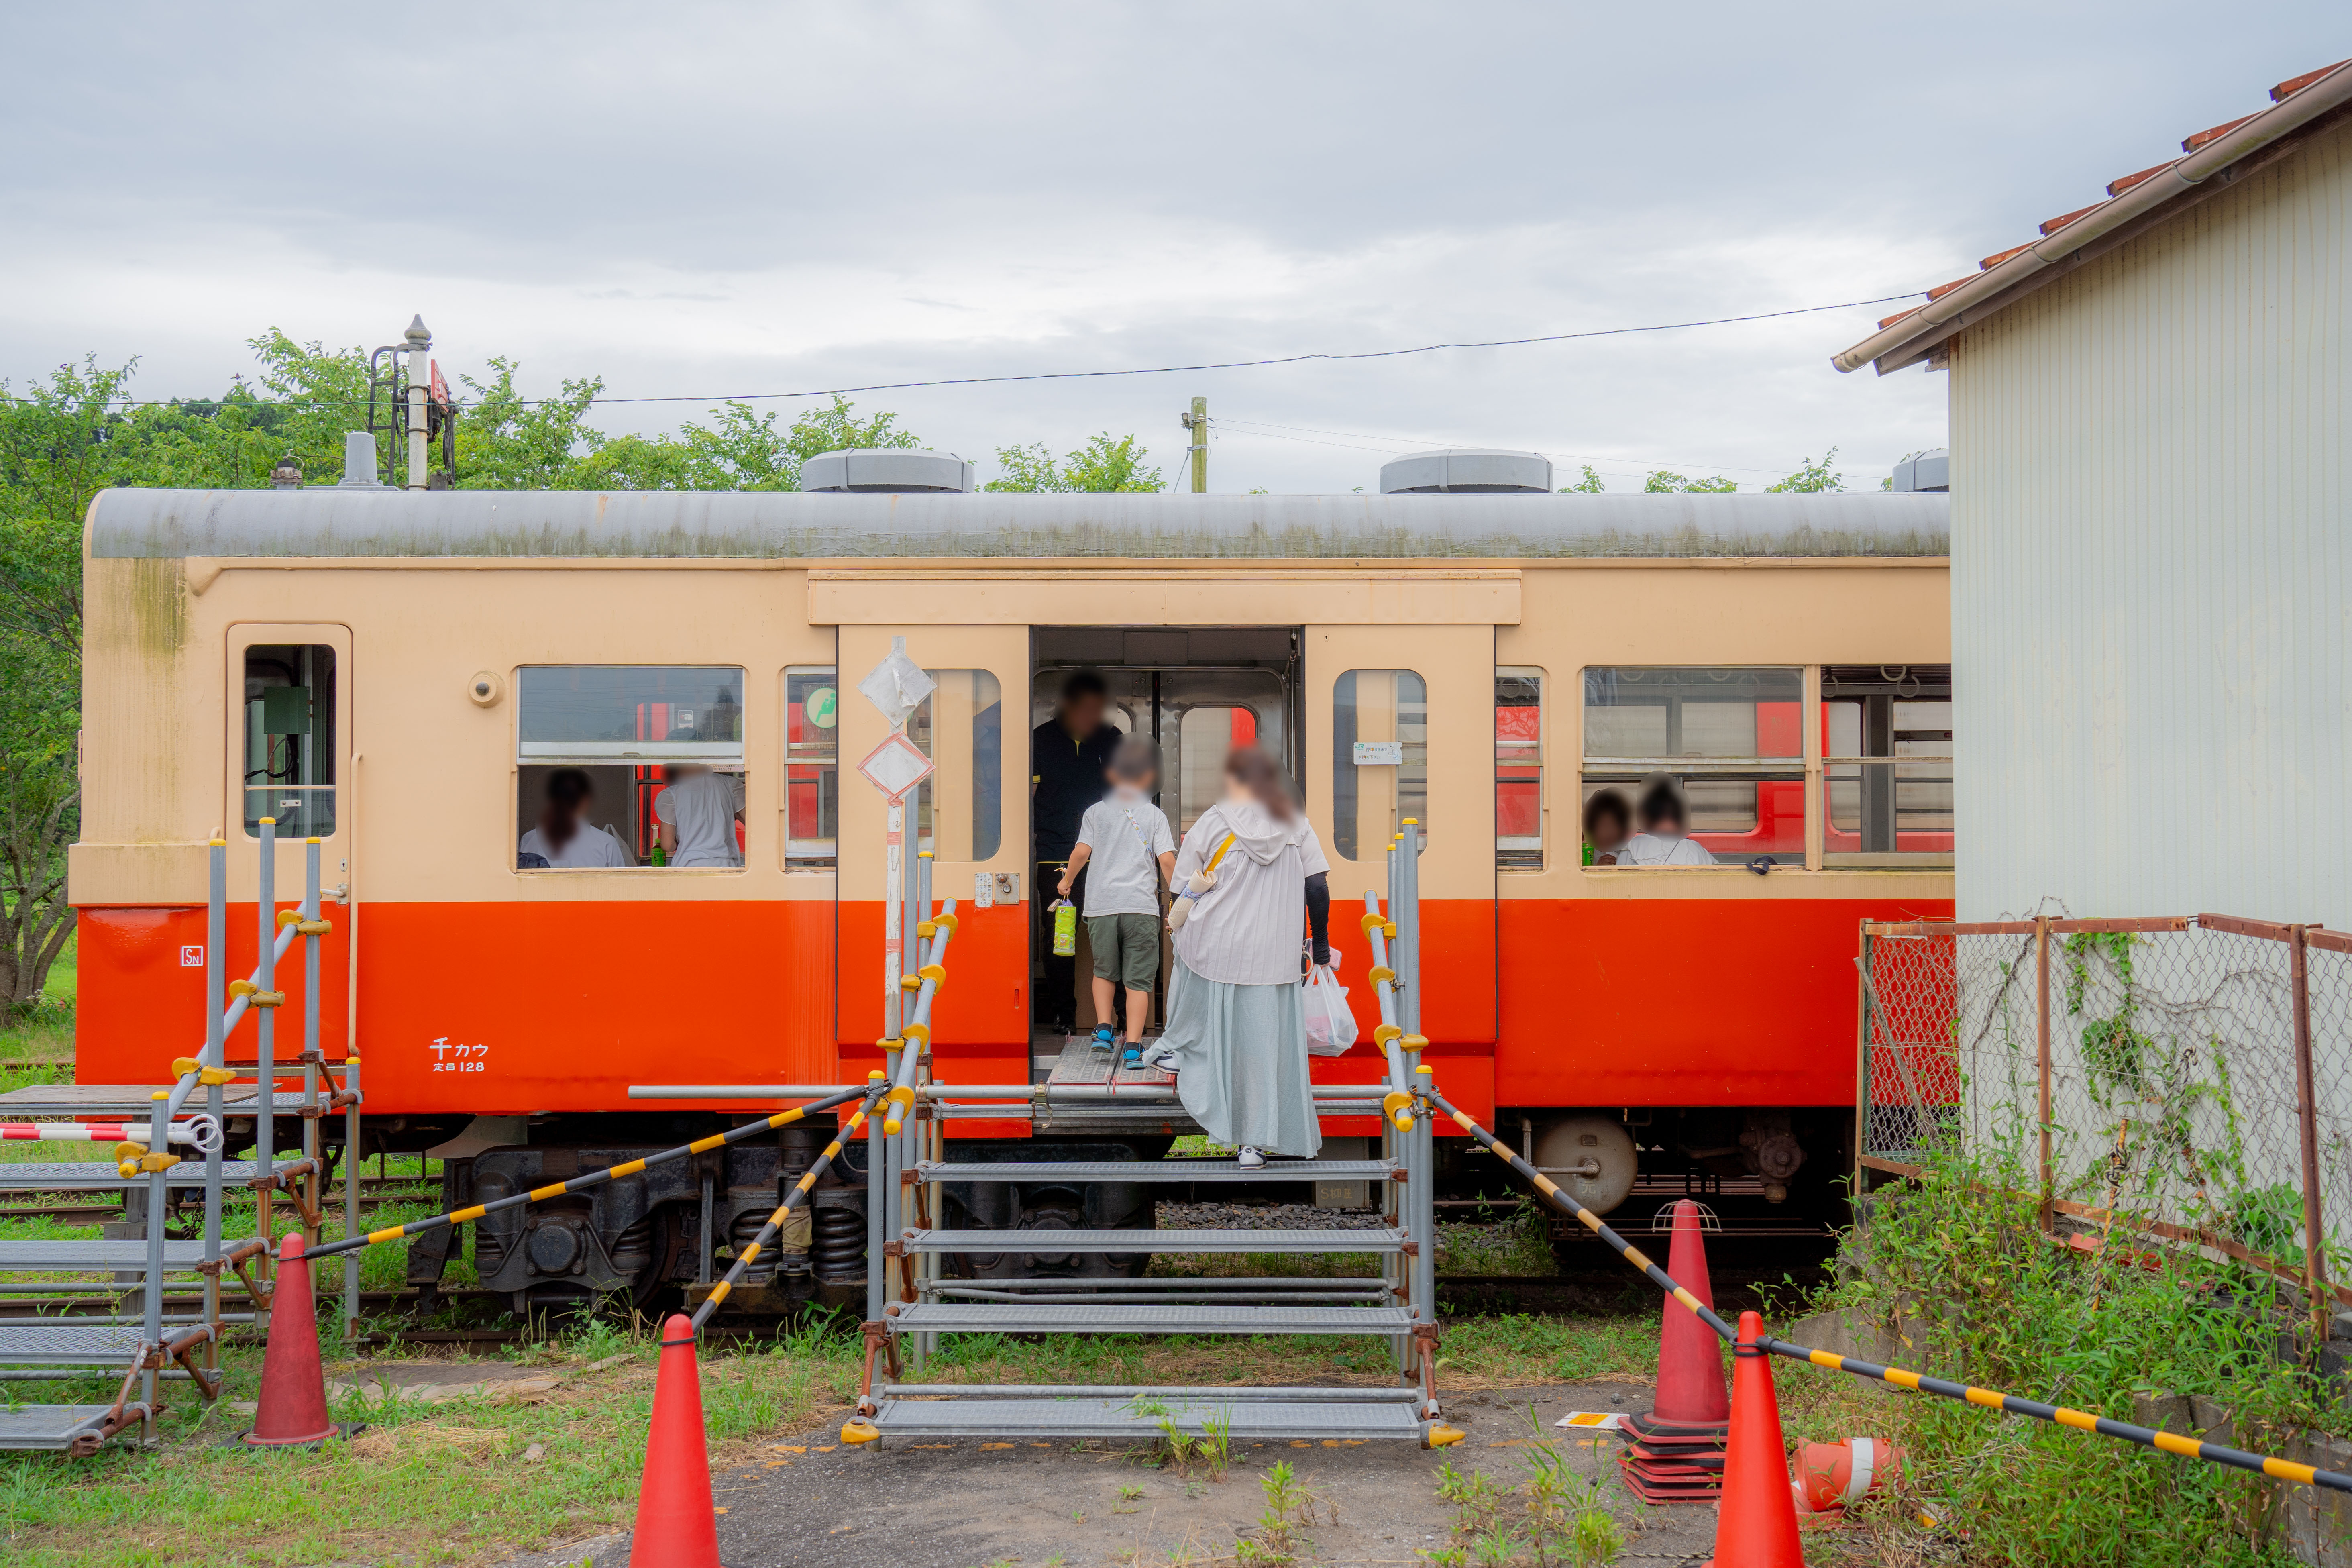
{"points": [[896, 766]]}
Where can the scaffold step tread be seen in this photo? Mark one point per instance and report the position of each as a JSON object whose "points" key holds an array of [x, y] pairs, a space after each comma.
{"points": [[1147, 1415], [1204, 1240], [1123, 1317], [39, 1257], [1157, 1170], [49, 1426], [60, 1343], [91, 1176]]}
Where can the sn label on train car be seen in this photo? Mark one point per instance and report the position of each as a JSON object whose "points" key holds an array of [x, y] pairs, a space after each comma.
{"points": [[449, 1057]]}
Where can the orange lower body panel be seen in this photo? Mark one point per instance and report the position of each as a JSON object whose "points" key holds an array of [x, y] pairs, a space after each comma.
{"points": [[1683, 1002]]}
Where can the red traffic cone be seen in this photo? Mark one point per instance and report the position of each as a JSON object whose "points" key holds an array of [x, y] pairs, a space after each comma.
{"points": [[293, 1408], [1828, 1475], [1757, 1526], [1675, 1446], [676, 1525]]}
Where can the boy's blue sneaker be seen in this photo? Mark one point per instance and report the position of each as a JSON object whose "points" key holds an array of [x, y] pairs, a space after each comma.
{"points": [[1105, 1039]]}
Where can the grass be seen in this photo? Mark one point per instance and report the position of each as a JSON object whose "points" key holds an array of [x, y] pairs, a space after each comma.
{"points": [[1975, 1292], [387, 1497]]}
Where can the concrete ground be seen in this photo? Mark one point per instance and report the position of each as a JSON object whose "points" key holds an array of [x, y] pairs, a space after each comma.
{"points": [[913, 1503]]}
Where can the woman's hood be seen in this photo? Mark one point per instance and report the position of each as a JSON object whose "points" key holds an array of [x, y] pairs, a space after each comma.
{"points": [[1258, 832]]}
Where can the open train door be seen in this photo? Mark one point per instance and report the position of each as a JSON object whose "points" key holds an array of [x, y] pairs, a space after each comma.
{"points": [[972, 814], [1401, 723]]}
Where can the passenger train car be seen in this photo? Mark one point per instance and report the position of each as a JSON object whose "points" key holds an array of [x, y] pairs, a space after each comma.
{"points": [[399, 673]]}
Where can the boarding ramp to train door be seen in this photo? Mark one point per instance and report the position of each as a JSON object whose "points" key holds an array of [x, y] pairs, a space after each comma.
{"points": [[918, 1288]]}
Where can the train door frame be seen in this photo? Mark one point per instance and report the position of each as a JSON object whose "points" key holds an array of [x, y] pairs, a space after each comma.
{"points": [[1459, 884], [984, 1016]]}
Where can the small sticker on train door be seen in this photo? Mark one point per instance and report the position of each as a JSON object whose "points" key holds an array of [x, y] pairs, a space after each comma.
{"points": [[192, 957], [983, 890]]}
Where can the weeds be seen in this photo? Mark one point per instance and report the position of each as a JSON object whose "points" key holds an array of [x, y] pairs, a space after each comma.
{"points": [[1281, 1531], [1562, 1521]]}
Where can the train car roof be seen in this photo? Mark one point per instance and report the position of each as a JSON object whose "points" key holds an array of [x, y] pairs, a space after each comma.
{"points": [[333, 520]]}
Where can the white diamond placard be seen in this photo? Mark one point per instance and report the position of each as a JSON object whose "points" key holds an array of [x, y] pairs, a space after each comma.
{"points": [[897, 685], [896, 766]]}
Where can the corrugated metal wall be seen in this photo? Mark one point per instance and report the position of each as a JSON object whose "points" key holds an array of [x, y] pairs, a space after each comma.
{"points": [[2150, 577]]}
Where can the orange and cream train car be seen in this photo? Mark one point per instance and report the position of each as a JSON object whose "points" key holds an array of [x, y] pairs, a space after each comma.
{"points": [[403, 674]]}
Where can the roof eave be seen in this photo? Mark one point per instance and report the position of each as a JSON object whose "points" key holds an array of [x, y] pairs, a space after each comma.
{"points": [[1913, 338]]}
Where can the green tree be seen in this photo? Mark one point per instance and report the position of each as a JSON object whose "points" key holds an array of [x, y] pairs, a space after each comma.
{"points": [[1589, 485], [1105, 465], [61, 442], [1661, 482], [1813, 479]]}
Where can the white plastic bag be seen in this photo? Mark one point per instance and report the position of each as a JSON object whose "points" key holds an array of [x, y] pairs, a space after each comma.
{"points": [[1330, 1028]]}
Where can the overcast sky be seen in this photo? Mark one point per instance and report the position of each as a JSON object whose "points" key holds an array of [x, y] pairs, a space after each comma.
{"points": [[710, 200]]}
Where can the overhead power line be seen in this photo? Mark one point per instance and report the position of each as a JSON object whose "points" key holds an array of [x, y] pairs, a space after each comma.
{"points": [[1177, 369], [1280, 359]]}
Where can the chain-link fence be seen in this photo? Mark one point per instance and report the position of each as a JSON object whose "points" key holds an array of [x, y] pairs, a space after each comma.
{"points": [[2191, 1076]]}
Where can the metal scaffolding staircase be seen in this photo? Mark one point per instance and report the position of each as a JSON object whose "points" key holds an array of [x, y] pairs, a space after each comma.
{"points": [[150, 1345], [909, 1165]]}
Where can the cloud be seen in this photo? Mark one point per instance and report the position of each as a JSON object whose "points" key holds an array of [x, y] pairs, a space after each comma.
{"points": [[722, 199]]}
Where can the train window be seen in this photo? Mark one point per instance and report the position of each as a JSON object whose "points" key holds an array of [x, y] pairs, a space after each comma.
{"points": [[1886, 749], [959, 811], [626, 765], [1380, 759], [1693, 766], [289, 739], [1518, 769], [812, 767], [1205, 737]]}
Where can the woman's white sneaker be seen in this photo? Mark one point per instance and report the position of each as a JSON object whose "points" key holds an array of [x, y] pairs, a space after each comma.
{"points": [[1250, 1159]]}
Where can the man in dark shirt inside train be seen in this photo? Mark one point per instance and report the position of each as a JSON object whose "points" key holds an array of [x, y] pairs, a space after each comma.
{"points": [[1067, 754]]}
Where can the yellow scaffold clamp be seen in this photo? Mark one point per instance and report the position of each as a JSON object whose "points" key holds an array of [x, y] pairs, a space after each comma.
{"points": [[1384, 1034], [1398, 1108], [1382, 972], [260, 998], [918, 1033], [900, 1100], [1380, 924], [183, 1066], [1413, 1043], [885, 1045], [937, 974], [945, 922], [910, 982], [927, 929], [302, 927]]}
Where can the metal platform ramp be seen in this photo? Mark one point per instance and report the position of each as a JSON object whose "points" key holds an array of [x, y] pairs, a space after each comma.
{"points": [[1143, 1414]]}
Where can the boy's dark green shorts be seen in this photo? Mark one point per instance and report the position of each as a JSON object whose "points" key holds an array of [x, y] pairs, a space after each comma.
{"points": [[1126, 949]]}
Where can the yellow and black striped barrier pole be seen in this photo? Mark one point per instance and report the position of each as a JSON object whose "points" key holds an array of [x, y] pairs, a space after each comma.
{"points": [[879, 1086], [1988, 1398], [592, 1179]]}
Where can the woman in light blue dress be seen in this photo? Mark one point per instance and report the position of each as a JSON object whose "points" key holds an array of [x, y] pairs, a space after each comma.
{"points": [[1236, 1034]]}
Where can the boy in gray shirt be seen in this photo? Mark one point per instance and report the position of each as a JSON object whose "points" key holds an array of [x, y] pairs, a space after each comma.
{"points": [[1126, 841]]}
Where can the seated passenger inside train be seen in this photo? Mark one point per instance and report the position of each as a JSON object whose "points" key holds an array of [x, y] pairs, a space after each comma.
{"points": [[1608, 823], [565, 839], [1665, 822], [697, 814]]}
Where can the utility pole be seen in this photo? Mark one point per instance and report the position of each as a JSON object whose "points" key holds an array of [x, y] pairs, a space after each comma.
{"points": [[1196, 425]]}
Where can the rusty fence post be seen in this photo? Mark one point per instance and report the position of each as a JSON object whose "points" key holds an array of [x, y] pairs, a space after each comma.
{"points": [[2041, 1056], [2306, 1115], [1862, 1071]]}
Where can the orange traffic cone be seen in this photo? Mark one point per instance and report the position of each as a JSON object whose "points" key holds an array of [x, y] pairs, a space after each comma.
{"points": [[1676, 1453], [293, 1408], [1826, 1477], [1757, 1526], [676, 1525]]}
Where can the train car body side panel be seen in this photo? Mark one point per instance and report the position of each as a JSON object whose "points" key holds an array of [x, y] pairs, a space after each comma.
{"points": [[1684, 1001]]}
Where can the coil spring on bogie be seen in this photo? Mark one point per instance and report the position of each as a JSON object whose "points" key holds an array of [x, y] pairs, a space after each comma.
{"points": [[632, 1251], [838, 1248], [743, 1232]]}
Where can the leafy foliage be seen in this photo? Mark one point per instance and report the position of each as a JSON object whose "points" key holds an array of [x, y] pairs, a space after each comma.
{"points": [[1590, 484], [1105, 465], [1812, 477], [1662, 482]]}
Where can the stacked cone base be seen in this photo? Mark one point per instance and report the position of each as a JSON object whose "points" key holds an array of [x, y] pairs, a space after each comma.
{"points": [[1673, 1461]]}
